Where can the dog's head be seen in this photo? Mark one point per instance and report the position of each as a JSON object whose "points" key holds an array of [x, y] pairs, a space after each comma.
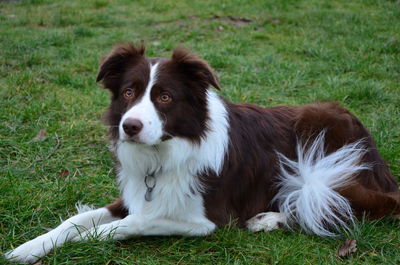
{"points": [[155, 99]]}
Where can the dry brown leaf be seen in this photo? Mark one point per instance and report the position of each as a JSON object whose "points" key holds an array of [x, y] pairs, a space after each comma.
{"points": [[347, 248], [64, 173], [40, 136]]}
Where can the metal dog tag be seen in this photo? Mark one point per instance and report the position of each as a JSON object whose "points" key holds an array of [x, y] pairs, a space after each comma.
{"points": [[150, 182], [148, 194]]}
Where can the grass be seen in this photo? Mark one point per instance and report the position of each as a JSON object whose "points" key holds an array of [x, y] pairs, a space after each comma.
{"points": [[286, 52]]}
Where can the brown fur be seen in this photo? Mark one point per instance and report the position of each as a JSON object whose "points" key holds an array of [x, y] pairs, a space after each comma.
{"points": [[118, 209], [246, 185]]}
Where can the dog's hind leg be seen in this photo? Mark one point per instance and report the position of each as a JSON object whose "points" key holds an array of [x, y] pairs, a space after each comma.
{"points": [[266, 222], [376, 204], [33, 250]]}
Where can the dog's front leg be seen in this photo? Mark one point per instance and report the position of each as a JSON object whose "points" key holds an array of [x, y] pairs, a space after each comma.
{"points": [[135, 225], [31, 251]]}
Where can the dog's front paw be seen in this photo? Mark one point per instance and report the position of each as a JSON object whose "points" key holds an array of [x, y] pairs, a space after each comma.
{"points": [[30, 251]]}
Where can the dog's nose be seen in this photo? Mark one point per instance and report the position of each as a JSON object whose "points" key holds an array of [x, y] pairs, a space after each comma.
{"points": [[132, 126]]}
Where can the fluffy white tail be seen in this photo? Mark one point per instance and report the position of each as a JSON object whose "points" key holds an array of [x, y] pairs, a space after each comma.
{"points": [[307, 193]]}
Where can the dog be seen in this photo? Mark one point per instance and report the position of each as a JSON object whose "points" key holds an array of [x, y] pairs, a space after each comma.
{"points": [[189, 161]]}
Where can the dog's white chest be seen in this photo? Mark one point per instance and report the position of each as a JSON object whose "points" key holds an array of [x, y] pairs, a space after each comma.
{"points": [[170, 198]]}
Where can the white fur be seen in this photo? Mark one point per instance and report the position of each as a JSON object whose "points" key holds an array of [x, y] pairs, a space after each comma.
{"points": [[308, 187], [31, 251], [266, 222], [82, 208], [136, 225], [146, 112]]}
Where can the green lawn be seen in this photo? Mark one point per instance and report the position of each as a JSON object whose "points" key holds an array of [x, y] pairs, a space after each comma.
{"points": [[265, 51]]}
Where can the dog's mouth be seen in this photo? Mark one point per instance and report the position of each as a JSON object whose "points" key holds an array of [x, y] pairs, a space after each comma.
{"points": [[136, 140], [132, 140]]}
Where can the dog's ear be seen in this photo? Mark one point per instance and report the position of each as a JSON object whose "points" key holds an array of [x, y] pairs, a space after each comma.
{"points": [[114, 65], [195, 68]]}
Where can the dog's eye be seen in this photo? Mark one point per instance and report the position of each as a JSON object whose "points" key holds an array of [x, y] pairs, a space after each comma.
{"points": [[129, 93], [165, 98]]}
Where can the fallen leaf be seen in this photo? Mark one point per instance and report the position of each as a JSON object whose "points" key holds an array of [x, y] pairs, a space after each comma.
{"points": [[40, 136], [64, 173], [347, 248]]}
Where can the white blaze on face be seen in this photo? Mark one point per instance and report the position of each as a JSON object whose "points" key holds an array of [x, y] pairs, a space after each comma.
{"points": [[146, 112]]}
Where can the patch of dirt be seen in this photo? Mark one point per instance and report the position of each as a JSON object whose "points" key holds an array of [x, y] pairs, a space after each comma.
{"points": [[235, 21]]}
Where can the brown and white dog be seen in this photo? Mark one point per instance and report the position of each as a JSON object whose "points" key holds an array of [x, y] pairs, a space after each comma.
{"points": [[189, 161]]}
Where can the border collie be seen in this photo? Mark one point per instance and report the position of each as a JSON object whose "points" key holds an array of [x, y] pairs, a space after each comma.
{"points": [[189, 161]]}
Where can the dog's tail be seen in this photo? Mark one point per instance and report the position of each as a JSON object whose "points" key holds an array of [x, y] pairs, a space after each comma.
{"points": [[308, 187]]}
